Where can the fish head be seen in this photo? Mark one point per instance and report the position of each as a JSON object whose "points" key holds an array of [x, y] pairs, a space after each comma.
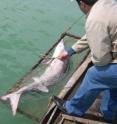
{"points": [[59, 48]]}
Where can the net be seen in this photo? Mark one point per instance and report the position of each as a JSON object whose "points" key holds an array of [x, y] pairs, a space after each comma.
{"points": [[35, 104]]}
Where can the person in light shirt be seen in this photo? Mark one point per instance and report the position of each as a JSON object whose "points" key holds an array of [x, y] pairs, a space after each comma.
{"points": [[101, 39]]}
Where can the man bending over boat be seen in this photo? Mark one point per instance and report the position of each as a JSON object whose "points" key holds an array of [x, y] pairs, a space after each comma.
{"points": [[101, 38]]}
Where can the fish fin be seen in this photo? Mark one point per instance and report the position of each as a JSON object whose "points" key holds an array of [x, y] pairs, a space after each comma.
{"points": [[47, 61], [43, 88], [14, 100], [36, 79], [4, 98]]}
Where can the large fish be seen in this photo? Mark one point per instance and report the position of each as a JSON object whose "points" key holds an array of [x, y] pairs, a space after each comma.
{"points": [[52, 74]]}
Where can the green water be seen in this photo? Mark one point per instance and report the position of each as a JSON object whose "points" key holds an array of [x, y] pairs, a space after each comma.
{"points": [[27, 29]]}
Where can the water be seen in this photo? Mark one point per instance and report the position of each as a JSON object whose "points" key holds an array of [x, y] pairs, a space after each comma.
{"points": [[27, 29]]}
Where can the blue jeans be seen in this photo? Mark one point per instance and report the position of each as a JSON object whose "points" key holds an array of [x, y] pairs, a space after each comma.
{"points": [[96, 80]]}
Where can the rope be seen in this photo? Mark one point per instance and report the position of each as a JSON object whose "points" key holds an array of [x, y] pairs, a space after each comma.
{"points": [[74, 23]]}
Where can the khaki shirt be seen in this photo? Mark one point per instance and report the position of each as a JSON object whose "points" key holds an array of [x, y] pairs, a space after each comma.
{"points": [[101, 33]]}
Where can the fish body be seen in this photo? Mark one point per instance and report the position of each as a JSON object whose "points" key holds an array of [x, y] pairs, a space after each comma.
{"points": [[51, 75]]}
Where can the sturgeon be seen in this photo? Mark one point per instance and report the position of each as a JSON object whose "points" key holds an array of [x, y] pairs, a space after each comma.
{"points": [[52, 74]]}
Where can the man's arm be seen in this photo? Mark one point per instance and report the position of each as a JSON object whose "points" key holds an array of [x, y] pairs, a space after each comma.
{"points": [[79, 46]]}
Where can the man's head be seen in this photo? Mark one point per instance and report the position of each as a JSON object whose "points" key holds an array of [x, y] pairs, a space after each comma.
{"points": [[85, 5]]}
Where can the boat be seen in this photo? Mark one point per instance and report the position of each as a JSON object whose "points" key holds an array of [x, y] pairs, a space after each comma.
{"points": [[92, 116]]}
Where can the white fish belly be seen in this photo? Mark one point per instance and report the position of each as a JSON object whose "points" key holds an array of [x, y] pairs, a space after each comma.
{"points": [[53, 73]]}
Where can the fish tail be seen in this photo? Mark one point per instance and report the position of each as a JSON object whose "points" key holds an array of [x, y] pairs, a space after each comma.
{"points": [[13, 99]]}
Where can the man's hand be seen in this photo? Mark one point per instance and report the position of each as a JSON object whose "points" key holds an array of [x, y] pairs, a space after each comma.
{"points": [[63, 55], [66, 53]]}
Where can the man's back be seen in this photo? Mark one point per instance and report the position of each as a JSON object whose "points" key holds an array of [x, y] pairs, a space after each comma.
{"points": [[103, 18]]}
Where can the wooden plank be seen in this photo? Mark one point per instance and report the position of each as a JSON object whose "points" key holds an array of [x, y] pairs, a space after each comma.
{"points": [[81, 120], [71, 35], [49, 121], [61, 122], [47, 115]]}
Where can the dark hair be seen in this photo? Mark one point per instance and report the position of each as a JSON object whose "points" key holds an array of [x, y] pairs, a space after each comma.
{"points": [[88, 2]]}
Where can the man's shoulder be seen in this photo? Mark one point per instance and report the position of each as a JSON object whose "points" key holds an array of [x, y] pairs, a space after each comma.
{"points": [[102, 11]]}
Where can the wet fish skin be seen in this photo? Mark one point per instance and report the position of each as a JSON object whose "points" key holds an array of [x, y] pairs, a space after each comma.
{"points": [[52, 74]]}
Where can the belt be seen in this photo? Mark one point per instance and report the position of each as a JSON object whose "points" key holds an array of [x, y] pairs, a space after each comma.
{"points": [[114, 55]]}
